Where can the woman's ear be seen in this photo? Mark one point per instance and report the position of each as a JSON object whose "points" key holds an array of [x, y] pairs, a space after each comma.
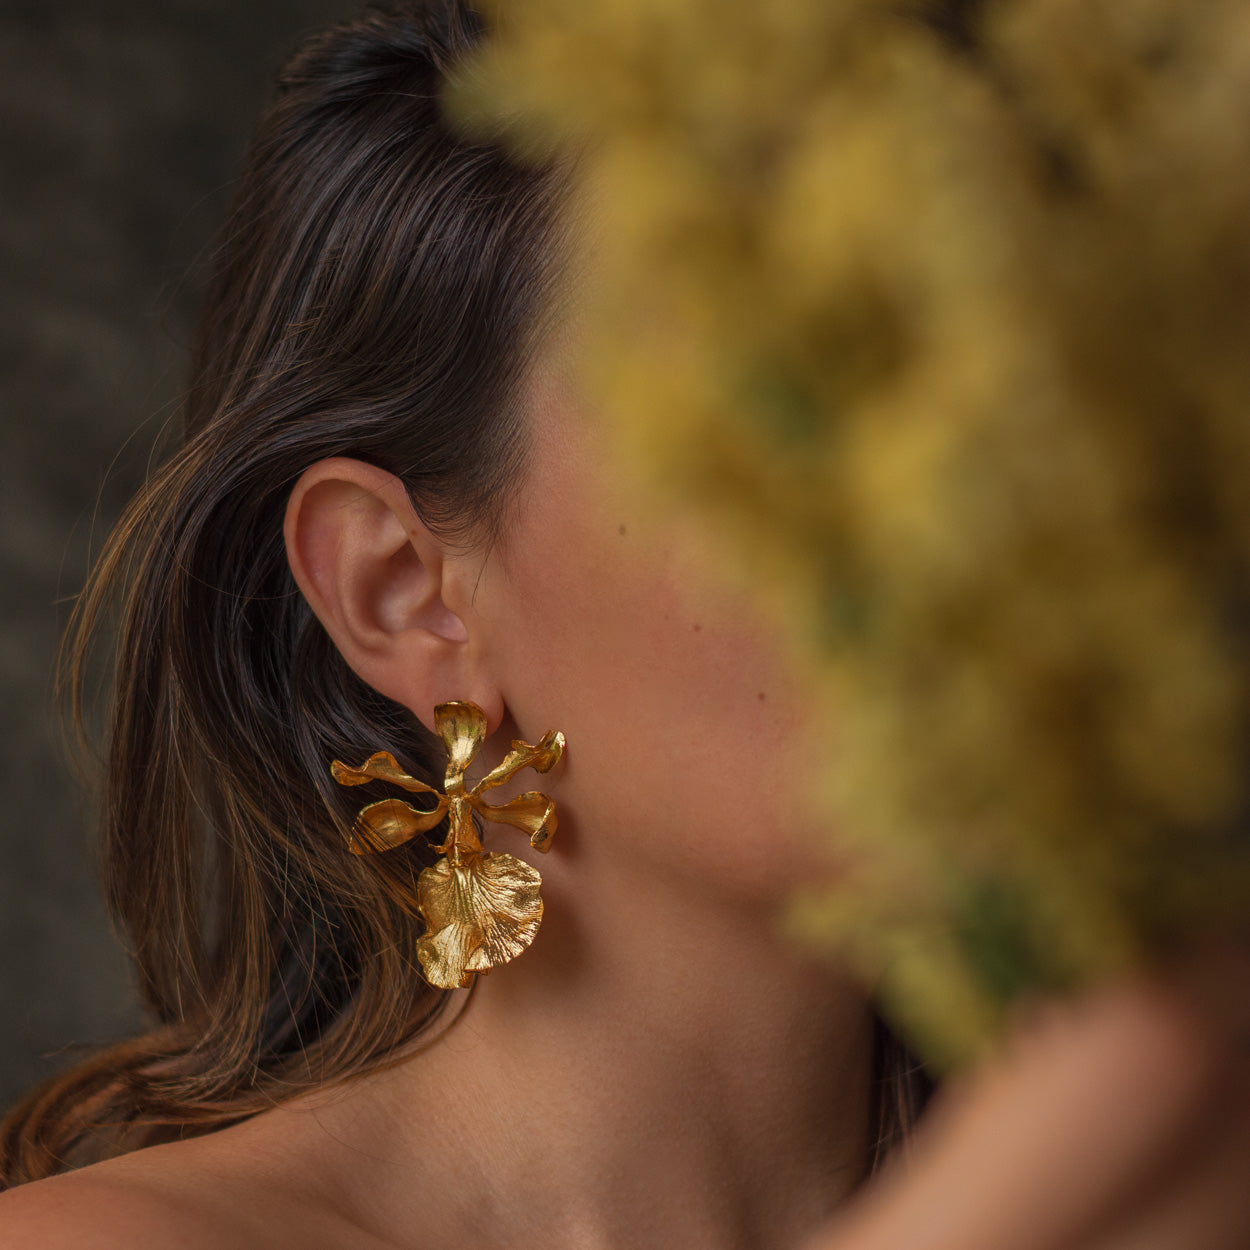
{"points": [[377, 580]]}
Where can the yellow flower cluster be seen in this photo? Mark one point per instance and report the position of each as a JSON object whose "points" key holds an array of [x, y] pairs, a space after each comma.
{"points": [[946, 322]]}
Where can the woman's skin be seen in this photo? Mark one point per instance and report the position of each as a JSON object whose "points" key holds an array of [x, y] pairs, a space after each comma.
{"points": [[662, 1068]]}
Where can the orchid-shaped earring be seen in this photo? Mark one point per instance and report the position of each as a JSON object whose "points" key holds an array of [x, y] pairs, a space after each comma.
{"points": [[481, 908]]}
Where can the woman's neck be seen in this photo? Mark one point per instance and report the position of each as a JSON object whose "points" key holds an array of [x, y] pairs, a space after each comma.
{"points": [[655, 1071]]}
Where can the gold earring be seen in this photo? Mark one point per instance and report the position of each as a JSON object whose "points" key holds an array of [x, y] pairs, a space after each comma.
{"points": [[481, 908]]}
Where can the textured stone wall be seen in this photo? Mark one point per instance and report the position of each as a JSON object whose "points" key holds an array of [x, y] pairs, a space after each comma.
{"points": [[121, 125]]}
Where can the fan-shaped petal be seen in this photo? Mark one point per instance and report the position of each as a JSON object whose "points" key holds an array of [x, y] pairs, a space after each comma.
{"points": [[480, 913]]}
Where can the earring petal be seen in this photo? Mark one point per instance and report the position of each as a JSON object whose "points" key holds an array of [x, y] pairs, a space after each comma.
{"points": [[540, 758], [480, 914], [444, 955], [462, 727], [390, 823], [381, 766], [533, 813]]}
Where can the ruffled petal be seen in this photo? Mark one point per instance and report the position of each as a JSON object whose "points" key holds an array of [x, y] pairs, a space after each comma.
{"points": [[531, 812], [480, 914], [444, 955], [381, 766], [390, 823], [462, 727], [540, 758]]}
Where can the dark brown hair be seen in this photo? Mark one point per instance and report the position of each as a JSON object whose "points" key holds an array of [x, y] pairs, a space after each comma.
{"points": [[378, 290]]}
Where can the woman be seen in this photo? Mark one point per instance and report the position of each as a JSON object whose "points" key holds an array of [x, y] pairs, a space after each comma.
{"points": [[390, 498]]}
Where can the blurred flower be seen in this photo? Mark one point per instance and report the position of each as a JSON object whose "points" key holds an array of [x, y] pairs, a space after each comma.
{"points": [[941, 311]]}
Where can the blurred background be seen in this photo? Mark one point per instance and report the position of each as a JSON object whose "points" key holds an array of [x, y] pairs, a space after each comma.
{"points": [[123, 124]]}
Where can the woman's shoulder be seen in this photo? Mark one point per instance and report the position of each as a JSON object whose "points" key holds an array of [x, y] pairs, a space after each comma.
{"points": [[101, 1207], [200, 1194]]}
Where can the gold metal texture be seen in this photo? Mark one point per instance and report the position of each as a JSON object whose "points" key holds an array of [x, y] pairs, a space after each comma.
{"points": [[481, 908]]}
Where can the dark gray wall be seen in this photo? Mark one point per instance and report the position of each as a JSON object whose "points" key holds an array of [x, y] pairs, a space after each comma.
{"points": [[121, 125]]}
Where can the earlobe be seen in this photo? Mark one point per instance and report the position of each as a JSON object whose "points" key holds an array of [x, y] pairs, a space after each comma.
{"points": [[374, 575]]}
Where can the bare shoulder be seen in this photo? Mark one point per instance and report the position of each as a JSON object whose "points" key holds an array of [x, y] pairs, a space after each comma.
{"points": [[96, 1208], [203, 1194]]}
